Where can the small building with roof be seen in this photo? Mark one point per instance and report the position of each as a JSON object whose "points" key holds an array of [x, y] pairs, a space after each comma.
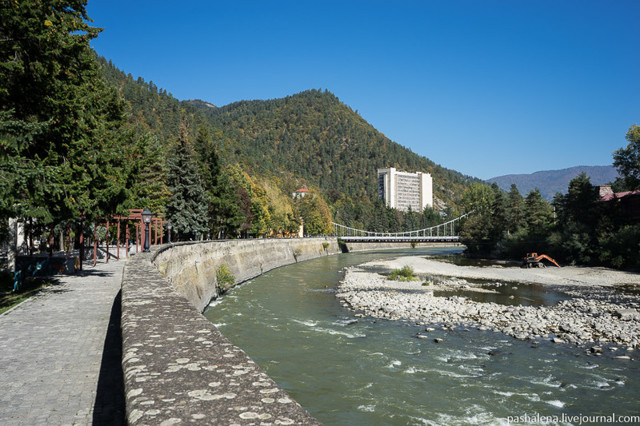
{"points": [[629, 201], [300, 193]]}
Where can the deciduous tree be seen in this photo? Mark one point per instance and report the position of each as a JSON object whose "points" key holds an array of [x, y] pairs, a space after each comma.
{"points": [[627, 161]]}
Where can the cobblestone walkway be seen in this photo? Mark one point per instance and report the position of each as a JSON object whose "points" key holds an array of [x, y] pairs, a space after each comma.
{"points": [[60, 353]]}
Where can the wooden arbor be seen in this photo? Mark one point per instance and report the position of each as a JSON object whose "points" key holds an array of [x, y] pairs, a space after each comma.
{"points": [[135, 216]]}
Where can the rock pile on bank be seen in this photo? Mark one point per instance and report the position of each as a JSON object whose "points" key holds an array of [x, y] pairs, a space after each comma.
{"points": [[591, 315]]}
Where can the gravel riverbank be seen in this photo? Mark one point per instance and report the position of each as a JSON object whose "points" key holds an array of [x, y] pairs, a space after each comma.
{"points": [[595, 313]]}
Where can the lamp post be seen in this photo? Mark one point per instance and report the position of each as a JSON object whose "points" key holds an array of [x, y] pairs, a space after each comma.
{"points": [[146, 218], [169, 226]]}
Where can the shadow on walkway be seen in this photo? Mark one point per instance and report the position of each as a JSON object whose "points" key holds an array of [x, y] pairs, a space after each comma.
{"points": [[109, 407], [93, 273]]}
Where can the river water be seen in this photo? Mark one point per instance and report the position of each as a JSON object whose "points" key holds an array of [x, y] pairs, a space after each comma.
{"points": [[361, 371]]}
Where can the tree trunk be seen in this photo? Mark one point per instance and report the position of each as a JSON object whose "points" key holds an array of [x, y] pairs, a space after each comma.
{"points": [[12, 252]]}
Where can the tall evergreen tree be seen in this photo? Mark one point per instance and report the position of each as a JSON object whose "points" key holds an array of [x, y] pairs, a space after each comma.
{"points": [[208, 158], [514, 213], [538, 214], [227, 216], [187, 207], [209, 162], [478, 232], [148, 172], [59, 122], [499, 211], [578, 216]]}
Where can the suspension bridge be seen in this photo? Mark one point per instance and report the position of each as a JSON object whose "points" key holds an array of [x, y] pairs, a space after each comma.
{"points": [[446, 232]]}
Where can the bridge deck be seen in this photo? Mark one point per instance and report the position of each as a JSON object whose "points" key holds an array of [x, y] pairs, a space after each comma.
{"points": [[391, 239]]}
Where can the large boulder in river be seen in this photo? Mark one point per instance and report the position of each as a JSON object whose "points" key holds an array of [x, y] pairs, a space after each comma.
{"points": [[627, 314]]}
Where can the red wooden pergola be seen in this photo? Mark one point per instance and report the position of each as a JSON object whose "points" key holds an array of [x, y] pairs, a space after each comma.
{"points": [[135, 215]]}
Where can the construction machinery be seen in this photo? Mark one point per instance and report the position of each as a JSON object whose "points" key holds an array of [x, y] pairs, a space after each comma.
{"points": [[535, 260]]}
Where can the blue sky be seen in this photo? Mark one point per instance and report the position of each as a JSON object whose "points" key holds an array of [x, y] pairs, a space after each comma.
{"points": [[483, 87]]}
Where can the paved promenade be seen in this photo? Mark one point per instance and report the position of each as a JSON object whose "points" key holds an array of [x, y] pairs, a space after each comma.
{"points": [[60, 353]]}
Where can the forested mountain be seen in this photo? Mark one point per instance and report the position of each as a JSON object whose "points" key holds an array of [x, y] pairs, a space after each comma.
{"points": [[550, 182], [310, 139], [315, 136], [151, 108]]}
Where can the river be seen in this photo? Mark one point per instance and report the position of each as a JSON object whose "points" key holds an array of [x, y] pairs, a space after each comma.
{"points": [[361, 371]]}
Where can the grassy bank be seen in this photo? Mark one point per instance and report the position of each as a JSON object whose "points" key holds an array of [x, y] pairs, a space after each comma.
{"points": [[9, 298]]}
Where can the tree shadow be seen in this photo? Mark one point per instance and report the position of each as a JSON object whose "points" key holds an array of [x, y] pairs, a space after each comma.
{"points": [[93, 273], [109, 406]]}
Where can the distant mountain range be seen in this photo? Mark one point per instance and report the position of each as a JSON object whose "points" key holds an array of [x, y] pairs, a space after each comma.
{"points": [[550, 182]]}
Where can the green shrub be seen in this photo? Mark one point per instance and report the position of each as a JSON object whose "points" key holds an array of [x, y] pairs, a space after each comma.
{"points": [[297, 252], [403, 274], [225, 279]]}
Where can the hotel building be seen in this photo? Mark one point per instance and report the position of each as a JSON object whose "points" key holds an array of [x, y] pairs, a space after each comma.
{"points": [[401, 190]]}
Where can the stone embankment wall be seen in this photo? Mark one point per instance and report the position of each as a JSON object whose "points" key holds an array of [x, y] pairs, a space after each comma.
{"points": [[178, 368], [191, 268]]}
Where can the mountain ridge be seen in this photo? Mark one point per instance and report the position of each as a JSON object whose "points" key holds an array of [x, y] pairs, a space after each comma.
{"points": [[315, 135], [309, 139], [550, 182], [199, 103]]}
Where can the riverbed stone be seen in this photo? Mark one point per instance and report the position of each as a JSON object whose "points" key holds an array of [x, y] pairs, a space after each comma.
{"points": [[627, 314], [623, 357], [592, 314]]}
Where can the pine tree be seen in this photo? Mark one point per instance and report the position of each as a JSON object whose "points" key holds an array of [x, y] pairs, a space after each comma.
{"points": [[227, 217], [147, 174], [187, 207], [578, 216], [499, 211], [208, 158], [514, 214], [538, 216], [478, 232]]}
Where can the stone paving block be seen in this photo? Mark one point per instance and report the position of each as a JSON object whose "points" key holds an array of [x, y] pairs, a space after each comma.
{"points": [[52, 349]]}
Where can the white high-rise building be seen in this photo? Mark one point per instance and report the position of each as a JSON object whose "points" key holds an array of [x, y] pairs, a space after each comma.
{"points": [[401, 190]]}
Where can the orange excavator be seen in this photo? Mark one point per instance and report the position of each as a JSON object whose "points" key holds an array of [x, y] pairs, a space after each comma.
{"points": [[535, 260]]}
